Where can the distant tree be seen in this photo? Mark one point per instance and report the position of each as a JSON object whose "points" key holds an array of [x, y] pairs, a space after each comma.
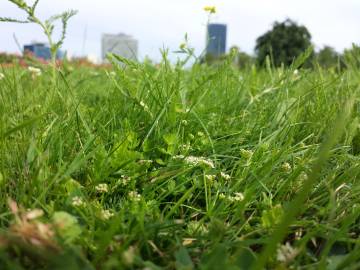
{"points": [[241, 59], [327, 57], [284, 42], [351, 57]]}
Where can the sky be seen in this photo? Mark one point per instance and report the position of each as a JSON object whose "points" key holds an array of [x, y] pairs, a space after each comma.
{"points": [[158, 24]]}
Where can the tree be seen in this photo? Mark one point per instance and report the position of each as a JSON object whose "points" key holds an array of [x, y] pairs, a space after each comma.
{"points": [[327, 57], [284, 42]]}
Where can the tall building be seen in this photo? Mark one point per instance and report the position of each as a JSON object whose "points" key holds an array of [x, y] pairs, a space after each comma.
{"points": [[41, 51], [216, 39], [120, 44]]}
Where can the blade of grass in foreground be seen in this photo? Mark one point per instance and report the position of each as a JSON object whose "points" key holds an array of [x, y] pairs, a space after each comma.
{"points": [[21, 126], [294, 207]]}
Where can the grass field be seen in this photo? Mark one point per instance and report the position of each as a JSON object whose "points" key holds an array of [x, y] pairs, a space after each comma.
{"points": [[166, 167]]}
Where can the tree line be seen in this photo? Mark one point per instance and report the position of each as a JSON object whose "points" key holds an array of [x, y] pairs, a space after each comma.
{"points": [[285, 42]]}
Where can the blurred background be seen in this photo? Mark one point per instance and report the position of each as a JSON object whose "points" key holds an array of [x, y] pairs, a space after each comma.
{"points": [[157, 24]]}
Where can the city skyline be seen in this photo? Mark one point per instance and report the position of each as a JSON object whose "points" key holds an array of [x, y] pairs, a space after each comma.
{"points": [[161, 24]]}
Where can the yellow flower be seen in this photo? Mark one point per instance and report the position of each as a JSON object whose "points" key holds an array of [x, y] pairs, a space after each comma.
{"points": [[210, 9]]}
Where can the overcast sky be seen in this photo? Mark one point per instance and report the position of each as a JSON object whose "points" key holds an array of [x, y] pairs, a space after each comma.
{"points": [[163, 23]]}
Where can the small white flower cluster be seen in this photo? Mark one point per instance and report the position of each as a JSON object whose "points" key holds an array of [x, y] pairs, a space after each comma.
{"points": [[142, 104], [77, 201], [210, 177], [286, 167], [196, 161], [124, 180], [34, 71], [185, 147], [285, 253], [106, 214], [145, 161], [102, 188], [2, 76], [237, 197], [303, 176], [225, 176], [134, 196]]}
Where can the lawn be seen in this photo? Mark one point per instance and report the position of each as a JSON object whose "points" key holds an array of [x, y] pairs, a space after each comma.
{"points": [[140, 166]]}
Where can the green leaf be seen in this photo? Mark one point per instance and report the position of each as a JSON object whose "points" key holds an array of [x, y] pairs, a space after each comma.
{"points": [[183, 260]]}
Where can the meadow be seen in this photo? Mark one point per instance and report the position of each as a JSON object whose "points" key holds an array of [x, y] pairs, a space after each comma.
{"points": [[143, 166]]}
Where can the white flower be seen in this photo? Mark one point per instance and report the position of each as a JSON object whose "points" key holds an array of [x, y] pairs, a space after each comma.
{"points": [[207, 163], [195, 161], [125, 180], [145, 161], [35, 71], [185, 147], [296, 72], [178, 157], [210, 177], [102, 188], [225, 176], [77, 201], [134, 196], [238, 197], [142, 104], [286, 167], [286, 253], [106, 214], [303, 176], [2, 76]]}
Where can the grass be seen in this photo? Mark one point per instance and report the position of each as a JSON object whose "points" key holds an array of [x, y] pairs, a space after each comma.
{"points": [[165, 167]]}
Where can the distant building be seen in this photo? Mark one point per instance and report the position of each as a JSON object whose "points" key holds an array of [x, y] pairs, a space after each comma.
{"points": [[120, 44], [42, 51], [216, 39]]}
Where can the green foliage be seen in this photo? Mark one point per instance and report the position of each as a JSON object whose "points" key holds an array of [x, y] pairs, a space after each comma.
{"points": [[283, 43], [327, 57]]}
